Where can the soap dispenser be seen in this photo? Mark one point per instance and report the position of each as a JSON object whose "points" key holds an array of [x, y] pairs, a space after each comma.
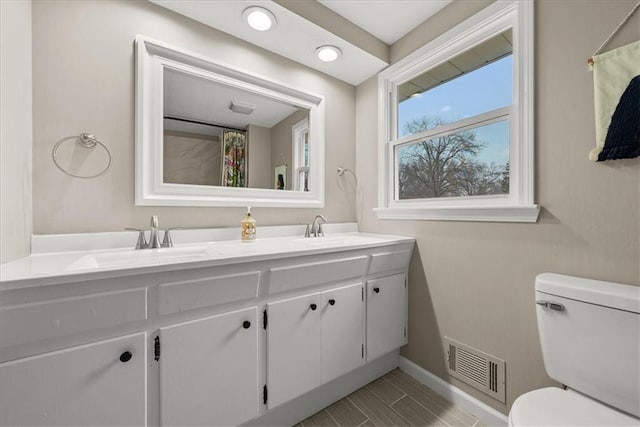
{"points": [[248, 228]]}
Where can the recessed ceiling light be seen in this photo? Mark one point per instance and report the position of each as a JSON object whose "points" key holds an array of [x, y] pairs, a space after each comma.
{"points": [[259, 18], [328, 53]]}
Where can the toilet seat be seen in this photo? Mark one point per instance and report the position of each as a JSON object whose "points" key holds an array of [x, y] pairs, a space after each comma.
{"points": [[553, 406]]}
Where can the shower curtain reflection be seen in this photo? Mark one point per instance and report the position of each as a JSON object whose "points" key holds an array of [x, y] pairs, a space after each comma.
{"points": [[234, 163]]}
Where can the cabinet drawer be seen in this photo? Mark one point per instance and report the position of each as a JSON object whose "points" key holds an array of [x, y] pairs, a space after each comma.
{"points": [[387, 261], [21, 324], [191, 294], [311, 274]]}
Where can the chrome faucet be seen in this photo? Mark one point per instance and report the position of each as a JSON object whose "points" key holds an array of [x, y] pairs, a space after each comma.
{"points": [[315, 228], [154, 238]]}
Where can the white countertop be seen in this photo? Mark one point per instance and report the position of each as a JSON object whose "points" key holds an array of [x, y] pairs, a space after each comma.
{"points": [[43, 268]]}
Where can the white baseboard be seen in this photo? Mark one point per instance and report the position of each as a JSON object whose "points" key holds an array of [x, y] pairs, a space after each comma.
{"points": [[485, 413], [302, 407]]}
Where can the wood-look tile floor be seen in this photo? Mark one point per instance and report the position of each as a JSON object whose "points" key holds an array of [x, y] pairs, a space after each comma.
{"points": [[395, 399]]}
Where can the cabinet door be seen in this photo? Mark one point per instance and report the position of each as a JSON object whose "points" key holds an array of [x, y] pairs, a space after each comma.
{"points": [[293, 347], [89, 385], [386, 315], [209, 370], [342, 331]]}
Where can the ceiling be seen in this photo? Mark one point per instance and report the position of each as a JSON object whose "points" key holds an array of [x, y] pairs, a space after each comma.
{"points": [[194, 98], [296, 37], [387, 20]]}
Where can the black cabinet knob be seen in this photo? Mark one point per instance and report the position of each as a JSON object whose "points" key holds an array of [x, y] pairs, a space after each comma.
{"points": [[246, 324], [376, 290], [332, 301], [313, 306], [126, 356]]}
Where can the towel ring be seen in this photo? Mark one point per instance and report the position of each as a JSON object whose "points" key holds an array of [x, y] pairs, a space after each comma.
{"points": [[85, 140]]}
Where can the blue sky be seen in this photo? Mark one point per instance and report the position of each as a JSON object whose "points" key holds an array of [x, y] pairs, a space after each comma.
{"points": [[490, 87]]}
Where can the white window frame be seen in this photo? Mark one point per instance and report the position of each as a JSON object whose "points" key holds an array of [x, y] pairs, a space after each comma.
{"points": [[518, 205], [298, 132]]}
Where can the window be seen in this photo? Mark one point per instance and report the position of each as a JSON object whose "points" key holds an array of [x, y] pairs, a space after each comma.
{"points": [[301, 164], [456, 123]]}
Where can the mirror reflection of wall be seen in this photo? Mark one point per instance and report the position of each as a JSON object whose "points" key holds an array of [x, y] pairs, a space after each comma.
{"points": [[218, 135], [192, 153]]}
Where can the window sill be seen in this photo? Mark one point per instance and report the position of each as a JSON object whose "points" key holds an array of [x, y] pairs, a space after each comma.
{"points": [[525, 213]]}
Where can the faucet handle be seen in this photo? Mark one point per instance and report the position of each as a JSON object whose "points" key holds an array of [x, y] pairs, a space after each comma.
{"points": [[307, 231], [167, 241], [320, 231], [142, 240]]}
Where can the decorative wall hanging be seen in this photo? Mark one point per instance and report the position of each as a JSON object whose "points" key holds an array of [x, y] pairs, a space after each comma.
{"points": [[234, 158], [280, 173], [616, 79]]}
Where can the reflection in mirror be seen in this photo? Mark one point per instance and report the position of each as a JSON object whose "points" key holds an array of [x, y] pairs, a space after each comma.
{"points": [[219, 135], [281, 177]]}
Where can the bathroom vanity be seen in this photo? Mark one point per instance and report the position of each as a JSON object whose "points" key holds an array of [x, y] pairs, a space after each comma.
{"points": [[201, 334]]}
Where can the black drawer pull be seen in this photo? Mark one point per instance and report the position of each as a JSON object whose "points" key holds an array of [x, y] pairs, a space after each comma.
{"points": [[376, 290], [246, 324], [126, 356], [332, 301], [313, 306]]}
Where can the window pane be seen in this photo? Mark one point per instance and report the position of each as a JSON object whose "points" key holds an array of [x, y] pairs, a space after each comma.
{"points": [[303, 179], [305, 149], [472, 162], [474, 82]]}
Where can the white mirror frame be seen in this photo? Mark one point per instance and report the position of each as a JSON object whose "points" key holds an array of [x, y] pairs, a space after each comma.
{"points": [[152, 57]]}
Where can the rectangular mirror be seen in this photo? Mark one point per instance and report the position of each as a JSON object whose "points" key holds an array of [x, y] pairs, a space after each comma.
{"points": [[208, 134]]}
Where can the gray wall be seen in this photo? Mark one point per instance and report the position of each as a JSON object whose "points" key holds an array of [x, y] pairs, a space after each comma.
{"points": [[191, 158], [260, 172], [474, 282], [15, 130], [83, 81]]}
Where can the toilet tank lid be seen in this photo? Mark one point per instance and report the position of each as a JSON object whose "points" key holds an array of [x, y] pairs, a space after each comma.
{"points": [[608, 294]]}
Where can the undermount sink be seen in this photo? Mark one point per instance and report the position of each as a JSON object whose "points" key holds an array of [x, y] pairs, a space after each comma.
{"points": [[133, 257]]}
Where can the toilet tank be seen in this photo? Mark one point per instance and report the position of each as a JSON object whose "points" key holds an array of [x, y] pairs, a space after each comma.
{"points": [[590, 336]]}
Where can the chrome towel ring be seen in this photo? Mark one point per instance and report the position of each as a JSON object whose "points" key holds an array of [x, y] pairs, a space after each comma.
{"points": [[85, 140]]}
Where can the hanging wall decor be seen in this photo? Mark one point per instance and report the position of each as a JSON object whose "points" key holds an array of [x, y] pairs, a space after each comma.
{"points": [[280, 173], [616, 78]]}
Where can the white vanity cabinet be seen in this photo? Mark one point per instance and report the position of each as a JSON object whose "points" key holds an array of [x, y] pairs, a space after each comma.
{"points": [[102, 383], [313, 339], [209, 370], [212, 342], [386, 315]]}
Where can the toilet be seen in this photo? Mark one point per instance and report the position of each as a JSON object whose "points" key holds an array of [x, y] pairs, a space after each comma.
{"points": [[590, 336]]}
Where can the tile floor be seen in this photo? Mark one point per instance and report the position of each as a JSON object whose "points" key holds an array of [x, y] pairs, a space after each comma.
{"points": [[395, 399]]}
